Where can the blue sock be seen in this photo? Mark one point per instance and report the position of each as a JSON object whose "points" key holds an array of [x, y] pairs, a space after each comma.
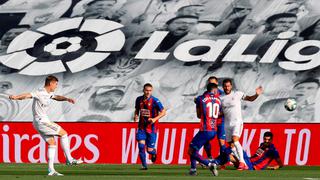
{"points": [[195, 155], [193, 163], [222, 149], [142, 154], [152, 152], [207, 148], [222, 159]]}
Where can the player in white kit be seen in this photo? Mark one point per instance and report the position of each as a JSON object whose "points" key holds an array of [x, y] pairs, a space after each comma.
{"points": [[231, 107], [46, 128]]}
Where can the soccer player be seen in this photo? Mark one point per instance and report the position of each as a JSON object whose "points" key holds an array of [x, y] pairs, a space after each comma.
{"points": [[221, 135], [46, 128], [148, 110], [262, 158], [208, 108], [231, 107]]}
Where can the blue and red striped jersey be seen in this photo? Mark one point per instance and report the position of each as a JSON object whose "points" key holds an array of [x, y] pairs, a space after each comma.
{"points": [[263, 156], [209, 105], [148, 108]]}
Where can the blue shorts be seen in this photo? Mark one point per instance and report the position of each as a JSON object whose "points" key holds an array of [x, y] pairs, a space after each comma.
{"points": [[150, 138], [221, 133], [201, 138], [247, 160]]}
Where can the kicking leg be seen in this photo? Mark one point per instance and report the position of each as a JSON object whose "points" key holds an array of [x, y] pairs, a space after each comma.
{"points": [[66, 148]]}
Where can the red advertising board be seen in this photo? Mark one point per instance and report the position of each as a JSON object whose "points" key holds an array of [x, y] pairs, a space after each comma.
{"points": [[115, 142]]}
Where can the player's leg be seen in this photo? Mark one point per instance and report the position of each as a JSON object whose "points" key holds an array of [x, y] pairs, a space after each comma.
{"points": [[207, 148], [228, 132], [247, 160], [51, 155], [151, 142], [221, 134], [197, 142], [65, 144], [141, 138], [47, 132], [237, 130]]}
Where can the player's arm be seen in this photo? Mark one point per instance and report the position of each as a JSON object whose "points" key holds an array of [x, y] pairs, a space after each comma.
{"points": [[62, 98], [198, 112], [162, 113], [259, 91], [21, 96], [136, 111], [279, 164], [136, 115]]}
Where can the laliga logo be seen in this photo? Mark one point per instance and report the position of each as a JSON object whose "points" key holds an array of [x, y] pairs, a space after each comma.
{"points": [[71, 44], [75, 45]]}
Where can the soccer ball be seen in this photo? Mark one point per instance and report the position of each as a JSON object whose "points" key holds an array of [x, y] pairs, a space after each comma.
{"points": [[290, 104]]}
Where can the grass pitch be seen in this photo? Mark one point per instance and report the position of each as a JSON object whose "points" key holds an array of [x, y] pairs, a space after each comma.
{"points": [[132, 172]]}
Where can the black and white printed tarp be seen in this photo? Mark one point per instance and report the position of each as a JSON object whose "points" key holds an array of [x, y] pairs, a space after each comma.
{"points": [[103, 51]]}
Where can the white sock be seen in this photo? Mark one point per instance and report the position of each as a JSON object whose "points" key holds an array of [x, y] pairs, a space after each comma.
{"points": [[239, 151], [51, 154], [235, 153], [66, 147]]}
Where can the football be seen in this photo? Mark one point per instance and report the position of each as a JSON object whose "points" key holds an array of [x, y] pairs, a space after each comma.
{"points": [[290, 104]]}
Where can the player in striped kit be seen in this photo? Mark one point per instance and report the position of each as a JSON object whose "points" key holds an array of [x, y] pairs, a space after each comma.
{"points": [[148, 110], [208, 108], [262, 158]]}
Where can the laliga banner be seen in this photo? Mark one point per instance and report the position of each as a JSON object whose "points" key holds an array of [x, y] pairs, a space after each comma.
{"points": [[115, 143], [103, 51]]}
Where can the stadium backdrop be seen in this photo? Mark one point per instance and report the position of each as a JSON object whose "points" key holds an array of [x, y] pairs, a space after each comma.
{"points": [[102, 60]]}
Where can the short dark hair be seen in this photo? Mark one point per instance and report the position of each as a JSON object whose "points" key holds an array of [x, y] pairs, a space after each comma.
{"points": [[308, 80], [212, 77], [94, 1], [178, 17], [49, 79], [227, 81], [211, 86], [274, 17], [268, 134], [147, 85]]}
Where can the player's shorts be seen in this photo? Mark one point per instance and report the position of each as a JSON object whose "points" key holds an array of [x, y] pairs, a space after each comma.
{"points": [[150, 138], [201, 138], [234, 130], [46, 128], [221, 133]]}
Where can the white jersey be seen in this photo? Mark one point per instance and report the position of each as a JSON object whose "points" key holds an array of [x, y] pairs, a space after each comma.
{"points": [[231, 106], [41, 102]]}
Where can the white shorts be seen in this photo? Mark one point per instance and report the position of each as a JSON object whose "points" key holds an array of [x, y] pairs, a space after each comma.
{"points": [[46, 128], [233, 130]]}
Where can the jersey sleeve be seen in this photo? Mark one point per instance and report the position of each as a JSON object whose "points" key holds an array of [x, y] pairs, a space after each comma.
{"points": [[197, 101], [136, 106], [158, 104], [35, 94], [240, 95]]}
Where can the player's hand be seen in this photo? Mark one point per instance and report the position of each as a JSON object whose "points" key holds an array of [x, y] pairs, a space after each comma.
{"points": [[72, 101], [259, 90], [12, 97], [152, 120], [136, 118]]}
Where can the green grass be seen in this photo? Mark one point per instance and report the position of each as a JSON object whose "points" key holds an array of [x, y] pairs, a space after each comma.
{"points": [[131, 172]]}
